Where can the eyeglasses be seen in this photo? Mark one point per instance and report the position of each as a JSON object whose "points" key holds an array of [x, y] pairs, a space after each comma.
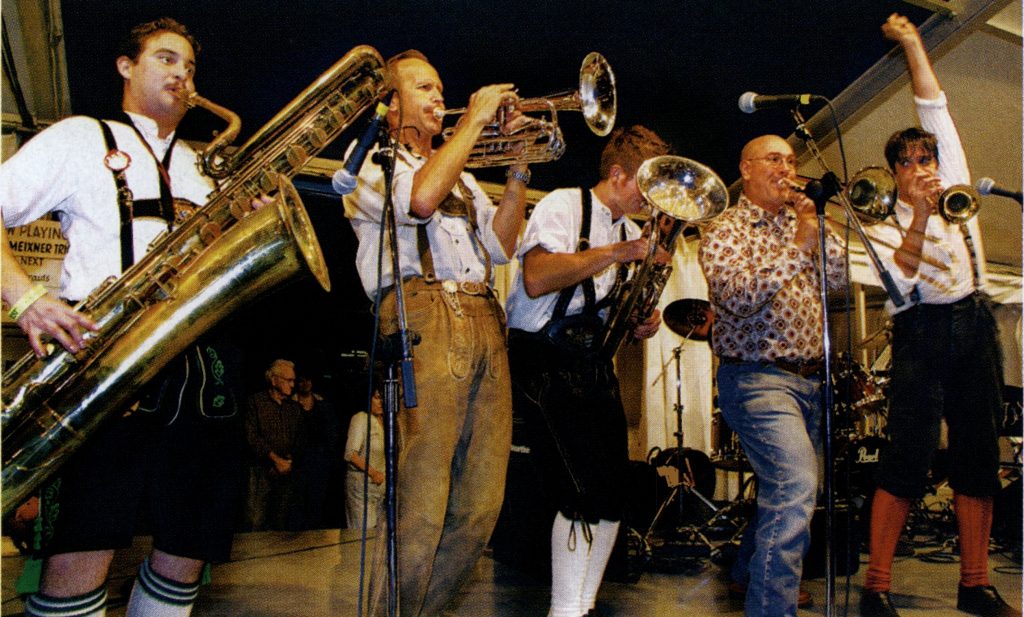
{"points": [[924, 160], [776, 160]]}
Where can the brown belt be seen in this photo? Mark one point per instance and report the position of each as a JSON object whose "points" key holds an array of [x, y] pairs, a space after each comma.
{"points": [[804, 368], [470, 288]]}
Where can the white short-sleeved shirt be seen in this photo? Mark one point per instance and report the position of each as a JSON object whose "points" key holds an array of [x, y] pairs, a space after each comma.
{"points": [[61, 170], [456, 255], [555, 227]]}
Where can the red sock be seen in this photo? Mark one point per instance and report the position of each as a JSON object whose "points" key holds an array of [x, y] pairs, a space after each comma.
{"points": [[888, 516], [974, 518]]}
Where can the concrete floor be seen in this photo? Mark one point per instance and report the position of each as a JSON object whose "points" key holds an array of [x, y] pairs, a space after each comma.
{"points": [[316, 573]]}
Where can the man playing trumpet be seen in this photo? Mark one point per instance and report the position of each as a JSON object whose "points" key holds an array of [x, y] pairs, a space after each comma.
{"points": [[945, 359], [760, 259], [455, 443]]}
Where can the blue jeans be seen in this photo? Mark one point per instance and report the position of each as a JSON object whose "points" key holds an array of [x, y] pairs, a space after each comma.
{"points": [[777, 416]]}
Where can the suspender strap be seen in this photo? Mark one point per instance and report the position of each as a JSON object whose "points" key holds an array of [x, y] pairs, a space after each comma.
{"points": [[125, 200], [423, 242], [162, 166], [589, 293]]}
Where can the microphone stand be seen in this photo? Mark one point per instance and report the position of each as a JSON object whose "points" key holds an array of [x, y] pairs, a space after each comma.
{"points": [[821, 193], [397, 351]]}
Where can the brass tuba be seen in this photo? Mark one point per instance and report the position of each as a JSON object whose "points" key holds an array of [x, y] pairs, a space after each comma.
{"points": [[541, 139], [222, 257], [681, 192]]}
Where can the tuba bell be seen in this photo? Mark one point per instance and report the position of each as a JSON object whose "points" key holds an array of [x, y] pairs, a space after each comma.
{"points": [[541, 141], [680, 192], [223, 256]]}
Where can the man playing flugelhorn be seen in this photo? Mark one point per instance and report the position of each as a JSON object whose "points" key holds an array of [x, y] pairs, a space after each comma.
{"points": [[455, 443]]}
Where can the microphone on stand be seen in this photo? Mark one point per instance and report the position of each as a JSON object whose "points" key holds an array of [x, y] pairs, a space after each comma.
{"points": [[344, 180], [987, 186], [751, 101]]}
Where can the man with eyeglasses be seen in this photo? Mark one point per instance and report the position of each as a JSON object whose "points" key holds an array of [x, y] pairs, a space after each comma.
{"points": [[945, 355], [760, 261], [272, 427]]}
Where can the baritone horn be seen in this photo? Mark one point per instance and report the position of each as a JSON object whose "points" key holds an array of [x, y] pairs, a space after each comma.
{"points": [[541, 140], [681, 192]]}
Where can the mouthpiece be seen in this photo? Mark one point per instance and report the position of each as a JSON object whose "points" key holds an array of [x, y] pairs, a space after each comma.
{"points": [[439, 113]]}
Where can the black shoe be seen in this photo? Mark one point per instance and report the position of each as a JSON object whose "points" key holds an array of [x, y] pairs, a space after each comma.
{"points": [[984, 601], [877, 604]]}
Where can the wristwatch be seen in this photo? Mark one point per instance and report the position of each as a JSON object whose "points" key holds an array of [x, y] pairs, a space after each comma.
{"points": [[522, 176]]}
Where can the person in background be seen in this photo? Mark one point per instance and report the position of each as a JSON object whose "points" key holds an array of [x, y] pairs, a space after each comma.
{"points": [[316, 463], [273, 425], [365, 467]]}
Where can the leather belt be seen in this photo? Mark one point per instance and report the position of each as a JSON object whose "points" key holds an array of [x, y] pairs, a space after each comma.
{"points": [[803, 368], [470, 288]]}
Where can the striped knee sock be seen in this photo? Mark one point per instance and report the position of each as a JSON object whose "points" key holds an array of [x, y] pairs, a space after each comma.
{"points": [[158, 596], [92, 604]]}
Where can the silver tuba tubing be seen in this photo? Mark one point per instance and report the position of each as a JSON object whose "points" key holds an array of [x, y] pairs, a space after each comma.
{"points": [[681, 192]]}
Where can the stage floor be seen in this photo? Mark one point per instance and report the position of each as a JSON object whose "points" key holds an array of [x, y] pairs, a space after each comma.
{"points": [[316, 573]]}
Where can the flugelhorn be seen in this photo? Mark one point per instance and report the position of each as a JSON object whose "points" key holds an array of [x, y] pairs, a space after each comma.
{"points": [[541, 140]]}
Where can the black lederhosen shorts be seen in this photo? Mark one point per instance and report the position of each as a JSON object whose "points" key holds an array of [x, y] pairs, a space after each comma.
{"points": [[575, 424], [174, 471]]}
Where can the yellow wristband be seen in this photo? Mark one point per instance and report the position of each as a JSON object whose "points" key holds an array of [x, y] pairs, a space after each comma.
{"points": [[28, 299]]}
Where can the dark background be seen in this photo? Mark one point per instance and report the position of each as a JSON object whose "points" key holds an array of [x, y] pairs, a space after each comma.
{"points": [[680, 67]]}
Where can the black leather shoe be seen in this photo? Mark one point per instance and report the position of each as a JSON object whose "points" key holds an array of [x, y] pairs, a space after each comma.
{"points": [[984, 601], [877, 604]]}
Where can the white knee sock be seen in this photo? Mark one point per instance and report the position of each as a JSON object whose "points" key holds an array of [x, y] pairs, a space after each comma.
{"points": [[570, 552], [605, 533], [158, 596], [92, 604]]}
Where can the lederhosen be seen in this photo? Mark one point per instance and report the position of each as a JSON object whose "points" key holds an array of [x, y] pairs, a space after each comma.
{"points": [[568, 396], [175, 456]]}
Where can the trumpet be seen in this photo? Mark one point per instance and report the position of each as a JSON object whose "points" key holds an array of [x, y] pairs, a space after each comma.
{"points": [[541, 140], [958, 203]]}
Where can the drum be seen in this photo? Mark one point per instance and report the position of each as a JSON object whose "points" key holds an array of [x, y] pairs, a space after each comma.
{"points": [[857, 393], [856, 462], [725, 444]]}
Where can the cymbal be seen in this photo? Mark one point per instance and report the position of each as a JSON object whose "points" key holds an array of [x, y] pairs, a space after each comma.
{"points": [[690, 318]]}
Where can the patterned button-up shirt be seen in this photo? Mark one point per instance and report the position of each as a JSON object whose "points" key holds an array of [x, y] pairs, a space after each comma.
{"points": [[764, 290]]}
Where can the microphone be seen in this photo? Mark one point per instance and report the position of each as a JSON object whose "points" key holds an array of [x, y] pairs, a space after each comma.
{"points": [[751, 101], [987, 186], [344, 180]]}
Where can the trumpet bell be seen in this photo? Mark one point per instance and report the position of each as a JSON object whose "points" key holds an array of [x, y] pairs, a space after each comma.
{"points": [[682, 188], [959, 203], [872, 193], [597, 94]]}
